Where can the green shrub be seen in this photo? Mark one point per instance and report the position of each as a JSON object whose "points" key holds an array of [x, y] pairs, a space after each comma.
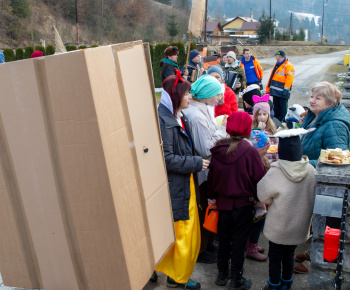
{"points": [[158, 55], [193, 45], [71, 47], [50, 49], [286, 37], [9, 54], [82, 47], [40, 48], [94, 45], [28, 51], [19, 53], [151, 51]]}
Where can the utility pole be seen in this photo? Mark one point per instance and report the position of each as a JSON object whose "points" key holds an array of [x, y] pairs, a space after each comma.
{"points": [[76, 19], [322, 22], [270, 25], [205, 21]]}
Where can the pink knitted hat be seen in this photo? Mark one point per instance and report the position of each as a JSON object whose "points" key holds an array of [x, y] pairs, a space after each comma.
{"points": [[262, 106]]}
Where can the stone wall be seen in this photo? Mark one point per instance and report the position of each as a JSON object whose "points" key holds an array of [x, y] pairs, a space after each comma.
{"points": [[332, 182]]}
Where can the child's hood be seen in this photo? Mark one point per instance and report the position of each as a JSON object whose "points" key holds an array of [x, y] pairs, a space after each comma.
{"points": [[294, 170], [219, 151]]}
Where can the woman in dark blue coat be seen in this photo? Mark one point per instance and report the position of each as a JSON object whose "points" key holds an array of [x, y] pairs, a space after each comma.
{"points": [[181, 164]]}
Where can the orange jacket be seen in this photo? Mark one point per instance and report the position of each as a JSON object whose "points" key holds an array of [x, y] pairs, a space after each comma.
{"points": [[257, 67], [281, 80]]}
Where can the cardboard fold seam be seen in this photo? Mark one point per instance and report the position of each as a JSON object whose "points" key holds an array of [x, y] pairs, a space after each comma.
{"points": [[62, 197], [133, 149], [151, 81], [15, 198]]}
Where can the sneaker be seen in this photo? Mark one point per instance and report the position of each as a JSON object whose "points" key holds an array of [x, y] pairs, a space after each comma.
{"points": [[189, 285], [154, 277], [207, 258]]}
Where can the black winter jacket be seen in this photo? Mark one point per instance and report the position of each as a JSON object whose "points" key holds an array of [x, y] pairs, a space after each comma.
{"points": [[166, 70], [180, 162]]}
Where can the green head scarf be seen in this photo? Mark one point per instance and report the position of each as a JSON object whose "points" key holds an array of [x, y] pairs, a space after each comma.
{"points": [[206, 87]]}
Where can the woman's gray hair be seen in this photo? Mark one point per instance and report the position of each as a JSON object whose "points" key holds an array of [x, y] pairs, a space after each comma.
{"points": [[329, 91]]}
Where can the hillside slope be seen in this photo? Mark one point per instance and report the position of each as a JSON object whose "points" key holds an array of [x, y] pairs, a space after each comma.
{"points": [[100, 21]]}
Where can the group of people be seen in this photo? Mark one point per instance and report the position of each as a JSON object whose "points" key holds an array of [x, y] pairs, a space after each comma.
{"points": [[227, 163]]}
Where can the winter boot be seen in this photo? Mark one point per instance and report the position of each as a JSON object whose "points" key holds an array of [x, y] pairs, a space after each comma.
{"points": [[260, 249], [253, 253], [270, 286], [154, 277], [238, 282], [286, 284], [222, 278]]}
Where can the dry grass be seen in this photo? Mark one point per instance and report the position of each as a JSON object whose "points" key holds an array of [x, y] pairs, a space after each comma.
{"points": [[266, 66], [338, 69]]}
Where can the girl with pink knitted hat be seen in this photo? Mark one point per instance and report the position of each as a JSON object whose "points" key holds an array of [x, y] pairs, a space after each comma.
{"points": [[263, 120]]}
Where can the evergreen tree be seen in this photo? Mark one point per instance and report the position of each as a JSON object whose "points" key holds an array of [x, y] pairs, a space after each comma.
{"points": [[264, 28], [302, 34], [172, 27]]}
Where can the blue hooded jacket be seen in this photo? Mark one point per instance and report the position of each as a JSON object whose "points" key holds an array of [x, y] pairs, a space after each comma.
{"points": [[2, 57], [332, 131]]}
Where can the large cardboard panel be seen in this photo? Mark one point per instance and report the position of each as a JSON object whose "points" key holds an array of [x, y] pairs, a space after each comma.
{"points": [[31, 180], [128, 199], [137, 93], [80, 161], [86, 207]]}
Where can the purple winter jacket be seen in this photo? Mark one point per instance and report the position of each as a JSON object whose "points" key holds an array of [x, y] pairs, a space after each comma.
{"points": [[233, 179]]}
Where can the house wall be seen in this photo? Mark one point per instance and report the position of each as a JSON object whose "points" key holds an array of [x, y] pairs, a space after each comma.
{"points": [[249, 32], [237, 23]]}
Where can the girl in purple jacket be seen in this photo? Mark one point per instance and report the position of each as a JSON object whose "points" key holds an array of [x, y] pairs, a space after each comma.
{"points": [[235, 169]]}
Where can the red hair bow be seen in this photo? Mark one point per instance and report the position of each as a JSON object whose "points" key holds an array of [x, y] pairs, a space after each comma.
{"points": [[178, 78]]}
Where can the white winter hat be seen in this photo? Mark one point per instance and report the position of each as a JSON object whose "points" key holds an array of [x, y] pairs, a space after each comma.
{"points": [[232, 54]]}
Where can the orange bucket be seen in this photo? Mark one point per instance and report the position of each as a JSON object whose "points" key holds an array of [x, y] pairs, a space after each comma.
{"points": [[211, 219]]}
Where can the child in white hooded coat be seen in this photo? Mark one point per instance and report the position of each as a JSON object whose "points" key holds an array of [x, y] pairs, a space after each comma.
{"points": [[288, 189]]}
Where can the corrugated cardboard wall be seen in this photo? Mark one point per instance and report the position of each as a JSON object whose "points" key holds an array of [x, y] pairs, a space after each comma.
{"points": [[95, 207]]}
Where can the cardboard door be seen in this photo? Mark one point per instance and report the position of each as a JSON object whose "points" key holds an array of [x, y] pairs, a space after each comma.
{"points": [[137, 93]]}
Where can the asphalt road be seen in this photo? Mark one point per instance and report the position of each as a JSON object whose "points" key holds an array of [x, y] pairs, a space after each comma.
{"points": [[309, 69]]}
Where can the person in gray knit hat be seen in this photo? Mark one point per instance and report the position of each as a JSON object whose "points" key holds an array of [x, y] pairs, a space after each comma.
{"points": [[233, 65], [228, 102]]}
